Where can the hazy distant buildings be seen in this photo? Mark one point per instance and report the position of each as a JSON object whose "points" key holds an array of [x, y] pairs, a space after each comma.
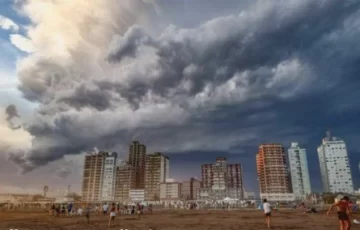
{"points": [[125, 181], [156, 172], [299, 171], [273, 176], [137, 158], [334, 165], [98, 180]]}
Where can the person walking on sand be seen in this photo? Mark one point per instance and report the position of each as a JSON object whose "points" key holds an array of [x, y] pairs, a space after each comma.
{"points": [[87, 214], [343, 213], [267, 211], [112, 215]]}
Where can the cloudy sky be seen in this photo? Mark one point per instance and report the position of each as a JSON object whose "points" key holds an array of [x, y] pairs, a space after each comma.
{"points": [[193, 79]]}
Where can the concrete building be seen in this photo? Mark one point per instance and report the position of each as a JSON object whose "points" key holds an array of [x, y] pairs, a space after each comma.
{"points": [[156, 172], [108, 183], [137, 158], [170, 191], [93, 176], [190, 188], [299, 170], [249, 195], [137, 195], [334, 165], [224, 180], [272, 171], [125, 181]]}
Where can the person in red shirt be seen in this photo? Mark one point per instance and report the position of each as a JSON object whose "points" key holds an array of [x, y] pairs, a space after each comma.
{"points": [[112, 215], [343, 213]]}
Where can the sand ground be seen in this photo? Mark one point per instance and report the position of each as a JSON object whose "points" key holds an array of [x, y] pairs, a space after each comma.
{"points": [[176, 220]]}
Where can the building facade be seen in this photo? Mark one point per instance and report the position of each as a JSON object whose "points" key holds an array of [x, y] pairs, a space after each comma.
{"points": [[272, 170], [189, 189], [221, 180], [299, 170], [109, 174], [156, 172], [125, 181], [170, 191], [137, 195], [93, 176], [137, 159], [334, 165]]}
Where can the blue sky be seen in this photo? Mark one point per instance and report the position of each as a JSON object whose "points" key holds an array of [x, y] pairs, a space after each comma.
{"points": [[193, 79]]}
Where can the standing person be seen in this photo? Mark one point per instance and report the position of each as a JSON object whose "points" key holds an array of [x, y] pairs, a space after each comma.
{"points": [[112, 215], [118, 208], [69, 208], [87, 214], [343, 213], [105, 208], [138, 210], [267, 211]]}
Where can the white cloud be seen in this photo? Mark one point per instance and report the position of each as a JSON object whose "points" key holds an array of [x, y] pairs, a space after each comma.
{"points": [[22, 43], [8, 24]]}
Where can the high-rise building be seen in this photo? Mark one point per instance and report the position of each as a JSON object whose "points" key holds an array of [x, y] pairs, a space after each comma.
{"points": [[137, 158], [108, 184], [299, 171], [125, 181], [272, 170], [98, 183], [222, 179], [334, 165], [219, 174], [156, 172]]}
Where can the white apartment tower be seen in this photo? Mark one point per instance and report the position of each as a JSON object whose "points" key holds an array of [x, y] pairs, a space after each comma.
{"points": [[299, 171], [334, 165], [109, 176]]}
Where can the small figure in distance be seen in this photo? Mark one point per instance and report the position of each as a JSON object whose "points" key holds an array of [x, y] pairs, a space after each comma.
{"points": [[343, 213], [267, 211]]}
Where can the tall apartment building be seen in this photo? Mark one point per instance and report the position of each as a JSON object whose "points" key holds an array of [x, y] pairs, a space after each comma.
{"points": [[334, 165], [190, 188], [94, 176], [137, 158], [299, 170], [219, 174], [108, 184], [125, 181], [222, 179], [156, 172], [272, 170]]}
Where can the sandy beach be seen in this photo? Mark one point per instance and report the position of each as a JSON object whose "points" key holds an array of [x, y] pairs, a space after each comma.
{"points": [[174, 220]]}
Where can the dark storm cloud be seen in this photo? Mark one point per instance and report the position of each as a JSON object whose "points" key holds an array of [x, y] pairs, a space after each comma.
{"points": [[11, 113], [277, 72]]}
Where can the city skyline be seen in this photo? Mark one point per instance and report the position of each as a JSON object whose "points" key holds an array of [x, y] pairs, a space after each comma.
{"points": [[192, 79]]}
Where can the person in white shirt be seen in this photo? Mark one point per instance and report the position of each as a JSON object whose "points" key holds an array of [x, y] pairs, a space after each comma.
{"points": [[267, 211], [105, 209]]}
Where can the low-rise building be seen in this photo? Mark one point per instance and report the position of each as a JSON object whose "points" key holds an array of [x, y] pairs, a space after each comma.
{"points": [[170, 191], [189, 189]]}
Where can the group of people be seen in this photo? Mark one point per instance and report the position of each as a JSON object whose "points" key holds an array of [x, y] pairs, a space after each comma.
{"points": [[343, 212], [69, 210]]}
